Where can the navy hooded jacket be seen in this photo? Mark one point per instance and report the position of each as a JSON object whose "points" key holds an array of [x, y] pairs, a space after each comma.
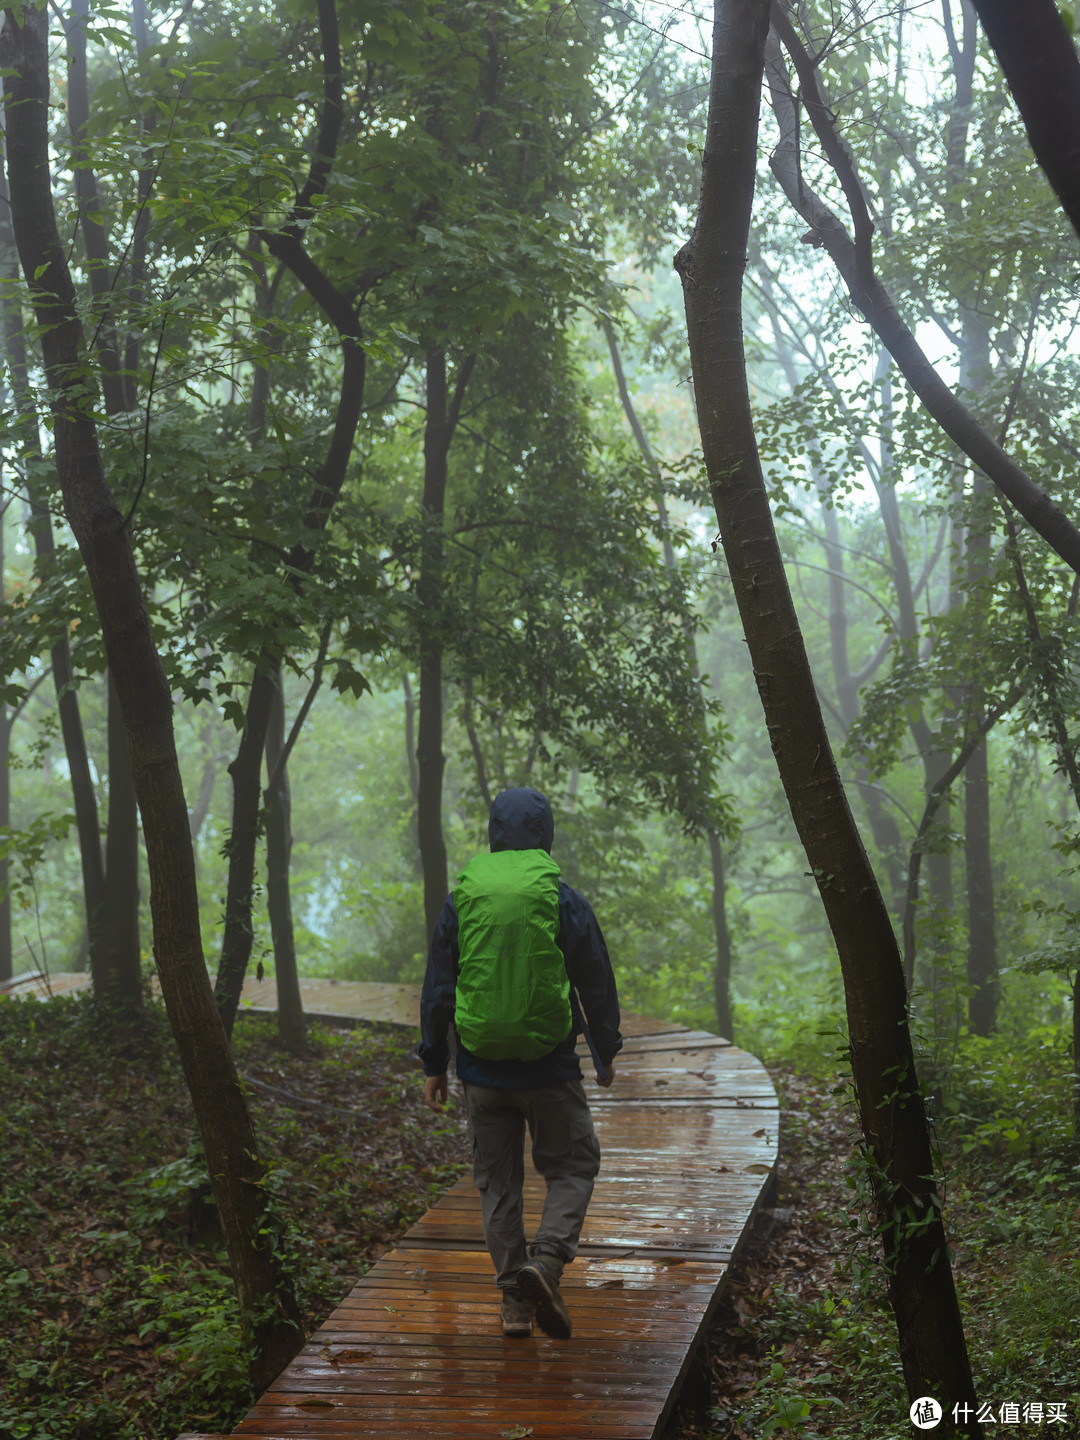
{"points": [[522, 820]]}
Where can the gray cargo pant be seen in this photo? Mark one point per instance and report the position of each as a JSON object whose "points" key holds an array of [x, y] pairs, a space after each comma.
{"points": [[565, 1152]]}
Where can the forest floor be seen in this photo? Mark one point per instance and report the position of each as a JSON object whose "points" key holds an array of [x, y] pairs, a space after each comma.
{"points": [[117, 1310]]}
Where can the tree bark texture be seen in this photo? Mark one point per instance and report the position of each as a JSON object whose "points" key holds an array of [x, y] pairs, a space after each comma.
{"points": [[120, 915], [290, 1009], [854, 261], [908, 1218], [267, 1299], [1040, 65]]}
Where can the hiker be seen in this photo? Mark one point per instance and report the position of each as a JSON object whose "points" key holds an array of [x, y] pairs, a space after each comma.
{"points": [[511, 947]]}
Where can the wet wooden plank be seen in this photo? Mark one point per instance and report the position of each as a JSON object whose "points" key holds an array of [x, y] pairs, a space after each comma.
{"points": [[688, 1140]]}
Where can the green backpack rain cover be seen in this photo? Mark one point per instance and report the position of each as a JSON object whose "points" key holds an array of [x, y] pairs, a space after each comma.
{"points": [[513, 994]]}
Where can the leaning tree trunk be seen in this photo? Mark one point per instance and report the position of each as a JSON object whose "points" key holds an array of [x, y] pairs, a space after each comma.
{"points": [[268, 1304], [899, 1161]]}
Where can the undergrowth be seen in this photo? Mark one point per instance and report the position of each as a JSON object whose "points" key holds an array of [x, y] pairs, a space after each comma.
{"points": [[805, 1342], [116, 1307], [119, 1319]]}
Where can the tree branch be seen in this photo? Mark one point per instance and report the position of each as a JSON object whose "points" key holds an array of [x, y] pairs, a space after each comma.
{"points": [[875, 303]]}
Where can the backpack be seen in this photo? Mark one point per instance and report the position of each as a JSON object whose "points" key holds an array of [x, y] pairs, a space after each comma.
{"points": [[513, 993]]}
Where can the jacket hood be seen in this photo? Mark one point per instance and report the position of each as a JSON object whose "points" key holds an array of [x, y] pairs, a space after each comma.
{"points": [[521, 820]]}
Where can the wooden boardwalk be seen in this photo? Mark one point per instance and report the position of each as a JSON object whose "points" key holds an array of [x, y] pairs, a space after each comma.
{"points": [[688, 1136]]}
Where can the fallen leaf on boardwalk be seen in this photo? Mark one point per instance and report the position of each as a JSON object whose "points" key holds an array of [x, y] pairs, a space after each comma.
{"points": [[315, 1402], [670, 1260], [328, 1355], [516, 1432], [757, 1169], [610, 1285], [420, 1273], [353, 1354], [391, 1310]]}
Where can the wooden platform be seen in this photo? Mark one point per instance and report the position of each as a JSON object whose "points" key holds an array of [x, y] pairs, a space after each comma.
{"points": [[688, 1135]]}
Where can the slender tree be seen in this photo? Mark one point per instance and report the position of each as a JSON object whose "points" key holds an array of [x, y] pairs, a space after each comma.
{"points": [[907, 1204], [442, 416], [84, 798], [286, 244], [722, 958], [268, 1303]]}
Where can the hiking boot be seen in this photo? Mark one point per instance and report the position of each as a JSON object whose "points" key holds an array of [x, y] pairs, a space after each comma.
{"points": [[517, 1313], [538, 1281]]}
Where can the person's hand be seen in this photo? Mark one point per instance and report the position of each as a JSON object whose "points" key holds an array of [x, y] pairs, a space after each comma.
{"points": [[435, 1091], [606, 1080]]}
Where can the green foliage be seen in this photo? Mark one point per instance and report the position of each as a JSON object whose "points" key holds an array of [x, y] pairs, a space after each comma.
{"points": [[24, 851]]}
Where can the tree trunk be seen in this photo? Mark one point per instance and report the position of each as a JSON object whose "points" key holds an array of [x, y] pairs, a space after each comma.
{"points": [[291, 1025], [245, 772], [268, 1304], [120, 914], [722, 957], [1039, 61], [725, 1023], [82, 786], [974, 373], [430, 759], [122, 962], [932, 1347], [982, 937], [410, 735], [286, 245], [439, 426]]}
